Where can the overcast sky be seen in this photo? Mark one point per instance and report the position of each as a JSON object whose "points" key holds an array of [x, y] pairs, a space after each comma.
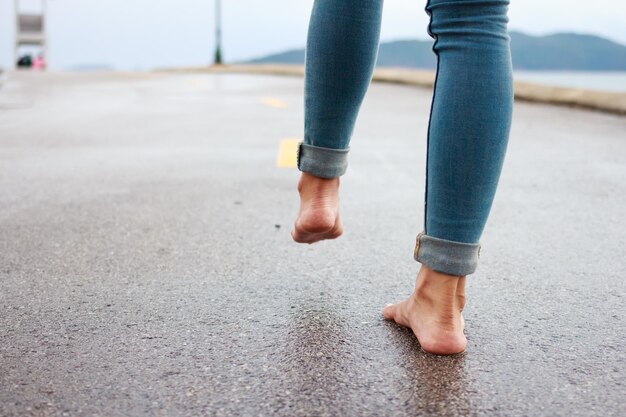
{"points": [[143, 34]]}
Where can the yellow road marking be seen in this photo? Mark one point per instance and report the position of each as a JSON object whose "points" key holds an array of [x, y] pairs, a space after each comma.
{"points": [[288, 153], [274, 102]]}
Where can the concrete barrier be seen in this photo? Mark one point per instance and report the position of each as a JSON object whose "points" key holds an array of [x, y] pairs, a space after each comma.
{"points": [[574, 97]]}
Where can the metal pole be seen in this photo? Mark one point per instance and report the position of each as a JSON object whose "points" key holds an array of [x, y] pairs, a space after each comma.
{"points": [[218, 32]]}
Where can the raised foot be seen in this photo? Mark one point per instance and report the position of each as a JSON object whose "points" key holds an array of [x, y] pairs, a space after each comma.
{"points": [[318, 218], [434, 312]]}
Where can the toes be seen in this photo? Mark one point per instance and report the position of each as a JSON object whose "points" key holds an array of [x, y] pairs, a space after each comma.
{"points": [[389, 312], [397, 313]]}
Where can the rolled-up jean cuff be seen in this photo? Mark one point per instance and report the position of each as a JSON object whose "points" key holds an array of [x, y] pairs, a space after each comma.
{"points": [[447, 256], [322, 162]]}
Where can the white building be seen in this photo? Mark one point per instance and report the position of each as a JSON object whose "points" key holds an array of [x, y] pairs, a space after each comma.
{"points": [[22, 30]]}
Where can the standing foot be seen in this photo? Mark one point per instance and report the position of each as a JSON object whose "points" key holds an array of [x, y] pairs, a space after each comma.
{"points": [[433, 312], [319, 210]]}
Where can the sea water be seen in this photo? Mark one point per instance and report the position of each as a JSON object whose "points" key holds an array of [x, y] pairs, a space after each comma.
{"points": [[614, 81]]}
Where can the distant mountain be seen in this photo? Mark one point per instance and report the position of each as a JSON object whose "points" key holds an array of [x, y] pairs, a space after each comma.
{"points": [[567, 51], [561, 51]]}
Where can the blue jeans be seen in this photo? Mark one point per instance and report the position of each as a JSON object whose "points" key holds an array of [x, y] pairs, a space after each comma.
{"points": [[470, 115]]}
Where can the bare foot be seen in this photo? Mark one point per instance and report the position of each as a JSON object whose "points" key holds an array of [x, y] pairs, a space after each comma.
{"points": [[433, 312], [319, 210]]}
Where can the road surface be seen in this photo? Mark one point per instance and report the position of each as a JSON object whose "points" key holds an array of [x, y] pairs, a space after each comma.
{"points": [[146, 266]]}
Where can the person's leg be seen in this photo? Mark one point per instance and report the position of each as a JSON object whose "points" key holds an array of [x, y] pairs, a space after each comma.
{"points": [[341, 52], [467, 138]]}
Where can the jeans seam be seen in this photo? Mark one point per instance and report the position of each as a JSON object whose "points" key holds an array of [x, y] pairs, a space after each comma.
{"points": [[432, 104]]}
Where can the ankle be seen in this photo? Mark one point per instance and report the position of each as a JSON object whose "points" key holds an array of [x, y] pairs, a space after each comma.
{"points": [[432, 283], [312, 182], [439, 292]]}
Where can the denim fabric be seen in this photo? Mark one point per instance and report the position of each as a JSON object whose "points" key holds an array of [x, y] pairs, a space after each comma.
{"points": [[326, 162], [341, 50], [449, 257], [470, 115]]}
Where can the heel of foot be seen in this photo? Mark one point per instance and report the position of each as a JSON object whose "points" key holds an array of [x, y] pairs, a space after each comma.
{"points": [[317, 221], [313, 227], [444, 344]]}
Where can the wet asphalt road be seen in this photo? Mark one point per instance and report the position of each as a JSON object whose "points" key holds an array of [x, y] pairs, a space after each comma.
{"points": [[146, 266]]}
